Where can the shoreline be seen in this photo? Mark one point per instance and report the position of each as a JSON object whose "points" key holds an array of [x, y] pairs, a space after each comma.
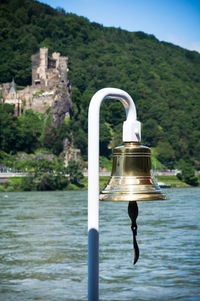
{"points": [[13, 184]]}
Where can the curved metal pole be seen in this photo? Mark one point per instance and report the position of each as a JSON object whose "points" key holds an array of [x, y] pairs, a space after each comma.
{"points": [[132, 126]]}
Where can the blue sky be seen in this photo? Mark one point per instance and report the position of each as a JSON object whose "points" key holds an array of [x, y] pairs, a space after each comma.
{"points": [[175, 21]]}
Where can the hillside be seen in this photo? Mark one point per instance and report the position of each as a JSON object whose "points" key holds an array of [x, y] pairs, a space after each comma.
{"points": [[163, 79]]}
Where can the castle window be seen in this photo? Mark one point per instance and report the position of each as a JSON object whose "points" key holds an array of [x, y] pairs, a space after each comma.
{"points": [[51, 63]]}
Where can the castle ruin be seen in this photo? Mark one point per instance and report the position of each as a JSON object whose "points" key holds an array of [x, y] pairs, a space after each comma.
{"points": [[47, 72], [50, 87]]}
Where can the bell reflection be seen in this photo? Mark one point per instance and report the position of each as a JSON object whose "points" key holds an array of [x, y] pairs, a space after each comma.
{"points": [[132, 178]]}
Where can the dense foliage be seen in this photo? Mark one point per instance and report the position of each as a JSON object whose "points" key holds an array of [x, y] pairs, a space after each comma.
{"points": [[42, 172], [30, 131], [22, 133], [163, 79], [187, 174], [45, 175]]}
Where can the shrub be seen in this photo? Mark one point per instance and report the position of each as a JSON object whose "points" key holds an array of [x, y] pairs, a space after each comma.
{"points": [[188, 175]]}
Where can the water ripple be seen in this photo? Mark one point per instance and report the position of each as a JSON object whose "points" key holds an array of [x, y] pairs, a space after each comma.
{"points": [[43, 253]]}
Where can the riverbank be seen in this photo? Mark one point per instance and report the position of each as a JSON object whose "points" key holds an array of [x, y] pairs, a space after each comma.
{"points": [[173, 181], [14, 183]]}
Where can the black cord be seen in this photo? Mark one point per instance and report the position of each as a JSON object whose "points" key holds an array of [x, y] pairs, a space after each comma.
{"points": [[133, 213]]}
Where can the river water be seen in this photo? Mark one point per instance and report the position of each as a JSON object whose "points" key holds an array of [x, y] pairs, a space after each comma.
{"points": [[43, 254]]}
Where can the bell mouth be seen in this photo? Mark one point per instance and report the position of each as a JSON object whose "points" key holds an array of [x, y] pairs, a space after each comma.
{"points": [[130, 189], [132, 197]]}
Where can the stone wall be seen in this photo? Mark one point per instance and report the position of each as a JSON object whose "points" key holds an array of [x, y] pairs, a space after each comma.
{"points": [[42, 102]]}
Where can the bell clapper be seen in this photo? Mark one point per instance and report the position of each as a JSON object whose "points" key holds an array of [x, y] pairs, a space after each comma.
{"points": [[133, 213]]}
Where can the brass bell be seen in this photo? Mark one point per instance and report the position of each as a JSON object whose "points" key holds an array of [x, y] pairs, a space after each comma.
{"points": [[132, 178]]}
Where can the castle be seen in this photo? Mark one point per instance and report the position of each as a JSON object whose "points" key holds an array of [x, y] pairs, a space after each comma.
{"points": [[49, 77], [50, 88]]}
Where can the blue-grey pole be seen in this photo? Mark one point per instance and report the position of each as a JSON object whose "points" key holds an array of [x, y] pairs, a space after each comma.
{"points": [[93, 265]]}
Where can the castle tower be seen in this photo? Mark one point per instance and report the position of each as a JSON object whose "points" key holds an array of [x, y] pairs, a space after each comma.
{"points": [[39, 67], [43, 62], [56, 57], [12, 99], [49, 72], [12, 90]]}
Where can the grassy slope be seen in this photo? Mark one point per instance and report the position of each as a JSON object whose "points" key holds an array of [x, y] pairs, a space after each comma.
{"points": [[172, 180]]}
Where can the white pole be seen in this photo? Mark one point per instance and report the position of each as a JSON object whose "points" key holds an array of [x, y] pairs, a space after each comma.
{"points": [[131, 132]]}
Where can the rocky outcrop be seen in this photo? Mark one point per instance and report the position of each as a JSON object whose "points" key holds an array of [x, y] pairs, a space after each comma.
{"points": [[62, 106]]}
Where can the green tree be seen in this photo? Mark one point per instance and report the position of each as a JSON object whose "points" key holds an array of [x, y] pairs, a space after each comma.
{"points": [[53, 138], [9, 126], [29, 131], [28, 184], [45, 175], [165, 154], [150, 133], [187, 174], [74, 172], [81, 141], [105, 138]]}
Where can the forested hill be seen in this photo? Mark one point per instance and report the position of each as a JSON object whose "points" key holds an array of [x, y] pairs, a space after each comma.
{"points": [[163, 79]]}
